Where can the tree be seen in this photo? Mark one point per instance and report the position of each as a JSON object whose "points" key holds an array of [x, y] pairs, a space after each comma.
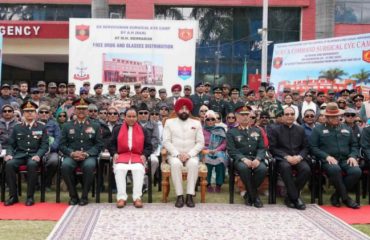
{"points": [[332, 74], [362, 77]]}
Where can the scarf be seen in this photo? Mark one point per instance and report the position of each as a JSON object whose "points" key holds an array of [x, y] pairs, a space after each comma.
{"points": [[218, 134], [137, 140]]}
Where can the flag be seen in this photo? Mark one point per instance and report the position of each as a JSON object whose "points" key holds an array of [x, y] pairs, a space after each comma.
{"points": [[245, 74]]}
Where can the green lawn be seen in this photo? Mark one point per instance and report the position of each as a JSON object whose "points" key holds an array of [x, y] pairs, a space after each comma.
{"points": [[40, 229]]}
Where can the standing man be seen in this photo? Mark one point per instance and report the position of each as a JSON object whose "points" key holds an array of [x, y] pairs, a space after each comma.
{"points": [[52, 98], [289, 146], [183, 138], [111, 95], [199, 99], [245, 146], [41, 85], [270, 104], [27, 145], [176, 95], [15, 91], [335, 146], [7, 124], [71, 89], [23, 94], [81, 143], [217, 104], [98, 97], [62, 91], [187, 91], [5, 97], [234, 102]]}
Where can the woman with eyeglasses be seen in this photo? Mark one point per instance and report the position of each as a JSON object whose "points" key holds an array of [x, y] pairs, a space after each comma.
{"points": [[307, 103], [219, 121], [309, 119], [349, 120], [358, 99], [342, 103], [202, 113], [231, 121], [61, 118], [215, 142], [67, 107], [288, 102]]}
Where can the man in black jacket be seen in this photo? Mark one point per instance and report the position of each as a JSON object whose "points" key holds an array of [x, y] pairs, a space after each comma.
{"points": [[289, 146]]}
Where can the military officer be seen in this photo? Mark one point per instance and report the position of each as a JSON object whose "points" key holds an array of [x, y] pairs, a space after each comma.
{"points": [[81, 143], [199, 98], [335, 146], [245, 146], [235, 102], [270, 104], [217, 103], [98, 97], [27, 145], [52, 98]]}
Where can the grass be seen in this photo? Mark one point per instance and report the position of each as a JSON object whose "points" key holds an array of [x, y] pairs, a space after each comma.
{"points": [[34, 230]]}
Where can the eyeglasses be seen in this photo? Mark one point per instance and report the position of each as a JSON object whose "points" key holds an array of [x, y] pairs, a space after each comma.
{"points": [[17, 116], [252, 117], [154, 114], [62, 116], [210, 119], [289, 114], [93, 111], [230, 117], [357, 121], [322, 108], [29, 111], [44, 112], [350, 115], [143, 113], [113, 113], [264, 117], [309, 116], [7, 111], [102, 112], [218, 118]]}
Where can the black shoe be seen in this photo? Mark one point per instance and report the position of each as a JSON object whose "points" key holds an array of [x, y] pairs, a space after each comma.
{"points": [[73, 201], [189, 201], [83, 202], [11, 201], [258, 203], [179, 201], [334, 200], [288, 203], [30, 201], [351, 204], [299, 204], [247, 200]]}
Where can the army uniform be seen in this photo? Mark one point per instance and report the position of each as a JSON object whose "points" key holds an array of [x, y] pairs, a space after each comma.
{"points": [[25, 142], [339, 143], [247, 143], [80, 136], [198, 101], [98, 100], [53, 102], [272, 106]]}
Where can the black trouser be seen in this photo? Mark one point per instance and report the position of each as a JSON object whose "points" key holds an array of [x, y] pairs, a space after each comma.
{"points": [[51, 167], [303, 174], [342, 183], [68, 172], [11, 169], [252, 178]]}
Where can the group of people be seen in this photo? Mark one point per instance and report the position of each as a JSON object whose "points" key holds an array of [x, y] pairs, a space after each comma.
{"points": [[232, 128]]}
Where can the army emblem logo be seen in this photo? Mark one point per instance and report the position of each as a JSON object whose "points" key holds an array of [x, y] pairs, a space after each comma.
{"points": [[277, 62], [185, 34], [184, 72], [366, 55], [82, 32]]}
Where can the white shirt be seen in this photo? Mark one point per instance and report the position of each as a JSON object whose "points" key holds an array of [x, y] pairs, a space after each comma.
{"points": [[130, 137]]}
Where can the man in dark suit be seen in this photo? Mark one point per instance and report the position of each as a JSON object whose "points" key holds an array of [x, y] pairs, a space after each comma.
{"points": [[27, 145], [289, 146], [199, 99], [81, 143]]}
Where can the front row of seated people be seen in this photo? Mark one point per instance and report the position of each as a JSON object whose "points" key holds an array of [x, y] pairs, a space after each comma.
{"points": [[184, 138]]}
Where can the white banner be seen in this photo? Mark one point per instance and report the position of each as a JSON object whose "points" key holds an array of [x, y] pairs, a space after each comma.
{"points": [[155, 53]]}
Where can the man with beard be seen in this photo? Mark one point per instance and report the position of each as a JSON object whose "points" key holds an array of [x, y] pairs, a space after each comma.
{"points": [[176, 95], [183, 138]]}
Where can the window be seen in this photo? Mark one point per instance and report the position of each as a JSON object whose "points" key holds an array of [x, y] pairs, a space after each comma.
{"points": [[229, 35], [356, 11]]}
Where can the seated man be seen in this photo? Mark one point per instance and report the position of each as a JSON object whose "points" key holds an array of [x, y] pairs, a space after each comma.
{"points": [[289, 146], [27, 145], [81, 143], [335, 146], [245, 146], [183, 138], [130, 147]]}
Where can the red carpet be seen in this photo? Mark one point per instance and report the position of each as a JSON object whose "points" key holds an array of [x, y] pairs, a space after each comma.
{"points": [[39, 211], [350, 216]]}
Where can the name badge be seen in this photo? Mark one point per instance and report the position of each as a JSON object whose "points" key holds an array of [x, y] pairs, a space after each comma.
{"points": [[36, 133], [325, 131], [72, 131], [238, 138], [344, 131]]}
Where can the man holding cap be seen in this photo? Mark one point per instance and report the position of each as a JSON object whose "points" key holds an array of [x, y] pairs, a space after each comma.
{"points": [[199, 98], [245, 146], [183, 138], [81, 143], [27, 145]]}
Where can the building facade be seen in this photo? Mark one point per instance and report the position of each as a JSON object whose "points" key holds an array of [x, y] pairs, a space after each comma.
{"points": [[36, 31]]}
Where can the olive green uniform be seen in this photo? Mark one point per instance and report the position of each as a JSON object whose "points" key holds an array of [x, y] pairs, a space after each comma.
{"points": [[339, 143], [247, 143], [25, 143], [84, 137]]}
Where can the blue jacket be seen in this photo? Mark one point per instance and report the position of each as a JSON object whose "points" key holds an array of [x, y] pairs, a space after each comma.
{"points": [[53, 131]]}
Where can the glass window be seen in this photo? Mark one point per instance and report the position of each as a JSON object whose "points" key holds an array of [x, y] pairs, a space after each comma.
{"points": [[356, 11], [229, 35]]}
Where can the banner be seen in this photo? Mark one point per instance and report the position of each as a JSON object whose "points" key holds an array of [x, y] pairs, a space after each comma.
{"points": [[154, 53], [332, 63], [1, 55]]}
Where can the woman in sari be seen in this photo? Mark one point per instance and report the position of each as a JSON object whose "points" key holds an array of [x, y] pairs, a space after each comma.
{"points": [[215, 143]]}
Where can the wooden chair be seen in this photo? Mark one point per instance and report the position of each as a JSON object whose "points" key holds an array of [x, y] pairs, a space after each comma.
{"points": [[166, 174]]}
